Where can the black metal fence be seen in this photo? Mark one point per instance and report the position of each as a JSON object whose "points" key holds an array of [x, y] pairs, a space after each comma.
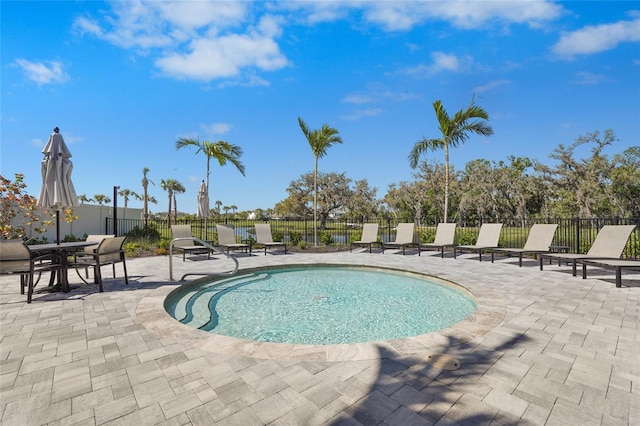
{"points": [[577, 234]]}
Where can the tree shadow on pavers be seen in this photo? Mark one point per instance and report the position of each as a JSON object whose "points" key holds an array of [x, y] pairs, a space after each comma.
{"points": [[410, 390]]}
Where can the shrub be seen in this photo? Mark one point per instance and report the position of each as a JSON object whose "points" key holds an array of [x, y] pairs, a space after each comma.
{"points": [[295, 237], [427, 235], [277, 236], [326, 238], [144, 232]]}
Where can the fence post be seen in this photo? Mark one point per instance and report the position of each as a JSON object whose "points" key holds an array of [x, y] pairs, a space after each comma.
{"points": [[577, 248]]}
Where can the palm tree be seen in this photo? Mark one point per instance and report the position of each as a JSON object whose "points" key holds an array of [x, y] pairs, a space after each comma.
{"points": [[172, 187], [320, 141], [101, 199], [222, 151], [145, 197], [233, 208], [178, 188], [83, 199], [454, 132], [218, 205], [126, 194]]}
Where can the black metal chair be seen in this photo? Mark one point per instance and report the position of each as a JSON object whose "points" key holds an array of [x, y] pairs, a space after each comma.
{"points": [[109, 252], [16, 258]]}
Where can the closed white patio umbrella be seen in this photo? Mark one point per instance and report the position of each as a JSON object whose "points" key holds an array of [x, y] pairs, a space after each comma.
{"points": [[203, 201], [57, 192], [203, 205]]}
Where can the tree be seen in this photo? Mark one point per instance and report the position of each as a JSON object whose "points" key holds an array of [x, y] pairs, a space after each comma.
{"points": [[126, 194], [18, 211], [101, 199], [218, 205], [579, 185], [319, 141], [222, 151], [454, 132], [178, 188], [145, 196], [625, 182], [83, 199], [432, 174], [334, 194], [171, 186], [363, 203], [233, 208]]}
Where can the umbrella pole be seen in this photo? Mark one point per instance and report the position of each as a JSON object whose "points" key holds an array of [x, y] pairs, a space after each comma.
{"points": [[57, 226]]}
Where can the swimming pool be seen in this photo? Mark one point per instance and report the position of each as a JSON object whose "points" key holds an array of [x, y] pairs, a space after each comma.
{"points": [[321, 305]]}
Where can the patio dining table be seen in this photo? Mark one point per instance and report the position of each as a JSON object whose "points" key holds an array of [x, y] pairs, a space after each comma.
{"points": [[61, 253]]}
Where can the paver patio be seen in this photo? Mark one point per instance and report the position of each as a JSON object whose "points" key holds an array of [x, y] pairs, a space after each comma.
{"points": [[543, 348]]}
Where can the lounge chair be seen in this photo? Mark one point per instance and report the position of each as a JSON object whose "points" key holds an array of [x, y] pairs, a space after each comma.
{"points": [[539, 239], [16, 258], [109, 252], [187, 246], [488, 238], [227, 239], [264, 237], [404, 238], [617, 264], [609, 244], [369, 236], [445, 237]]}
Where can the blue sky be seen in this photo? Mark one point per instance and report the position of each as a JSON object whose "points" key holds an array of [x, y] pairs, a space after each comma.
{"points": [[124, 80]]}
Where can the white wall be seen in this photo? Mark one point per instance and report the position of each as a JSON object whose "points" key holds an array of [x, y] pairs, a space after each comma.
{"points": [[91, 220]]}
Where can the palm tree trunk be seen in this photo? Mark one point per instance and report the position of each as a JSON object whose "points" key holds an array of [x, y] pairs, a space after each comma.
{"points": [[315, 205], [446, 181], [206, 235]]}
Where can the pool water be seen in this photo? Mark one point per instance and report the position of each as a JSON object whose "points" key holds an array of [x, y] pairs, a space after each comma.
{"points": [[321, 305]]}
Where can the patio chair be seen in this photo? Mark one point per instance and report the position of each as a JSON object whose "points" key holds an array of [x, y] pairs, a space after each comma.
{"points": [[15, 258], [109, 252], [609, 244], [369, 236], [617, 264], [488, 238], [187, 246], [90, 250], [264, 237], [404, 238], [227, 239], [445, 237], [539, 239]]}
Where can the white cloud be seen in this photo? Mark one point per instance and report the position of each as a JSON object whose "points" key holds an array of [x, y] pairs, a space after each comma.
{"points": [[216, 128], [491, 86], [442, 62], [223, 57], [594, 39], [43, 72], [404, 15], [588, 78], [194, 40], [358, 114]]}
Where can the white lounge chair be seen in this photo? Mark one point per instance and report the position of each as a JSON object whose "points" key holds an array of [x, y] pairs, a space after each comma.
{"points": [[264, 237], [445, 237], [609, 244], [539, 239], [617, 264], [227, 239], [369, 236], [488, 238], [404, 238], [187, 246]]}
